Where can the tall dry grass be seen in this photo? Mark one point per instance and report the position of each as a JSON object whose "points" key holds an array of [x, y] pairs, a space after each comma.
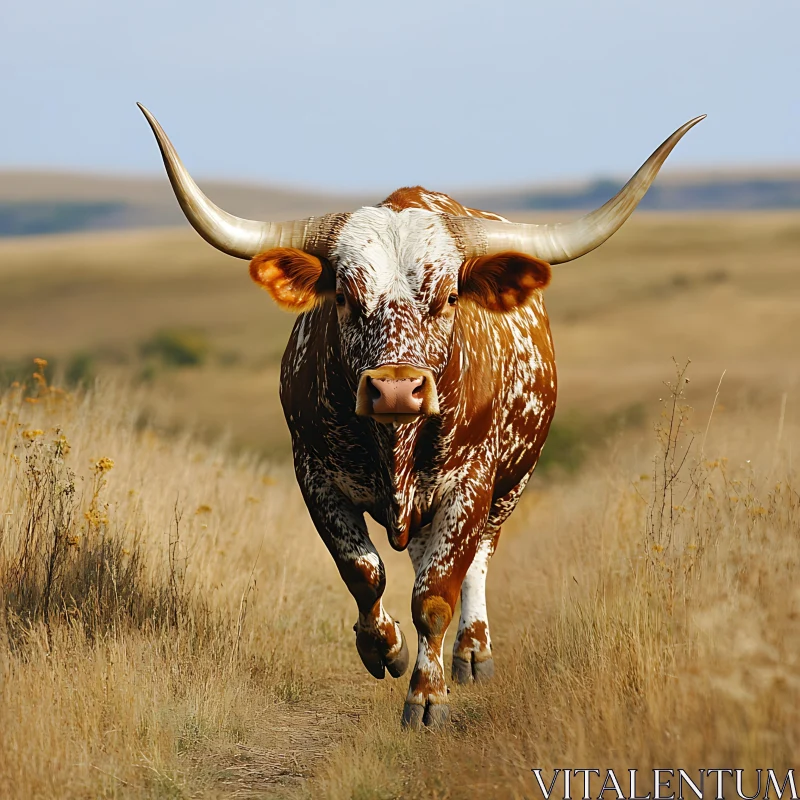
{"points": [[156, 621], [645, 615], [172, 627]]}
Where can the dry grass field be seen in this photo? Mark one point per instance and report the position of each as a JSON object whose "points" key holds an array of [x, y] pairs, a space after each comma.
{"points": [[723, 290], [173, 627]]}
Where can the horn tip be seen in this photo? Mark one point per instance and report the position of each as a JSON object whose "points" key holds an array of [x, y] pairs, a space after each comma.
{"points": [[148, 116]]}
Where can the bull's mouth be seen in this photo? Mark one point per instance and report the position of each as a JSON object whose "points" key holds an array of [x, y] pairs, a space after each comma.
{"points": [[397, 394]]}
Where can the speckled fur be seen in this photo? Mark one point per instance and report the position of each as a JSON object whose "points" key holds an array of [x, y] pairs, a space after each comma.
{"points": [[446, 482]]}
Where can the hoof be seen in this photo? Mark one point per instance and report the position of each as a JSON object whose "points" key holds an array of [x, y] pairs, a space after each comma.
{"points": [[374, 657], [432, 715], [437, 715], [371, 658], [397, 665], [413, 715], [462, 670], [479, 671], [483, 671]]}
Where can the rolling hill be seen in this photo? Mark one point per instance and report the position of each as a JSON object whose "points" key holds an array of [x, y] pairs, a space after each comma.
{"points": [[35, 203]]}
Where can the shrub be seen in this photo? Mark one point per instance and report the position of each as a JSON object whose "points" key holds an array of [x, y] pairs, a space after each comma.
{"points": [[573, 436], [80, 370], [177, 347]]}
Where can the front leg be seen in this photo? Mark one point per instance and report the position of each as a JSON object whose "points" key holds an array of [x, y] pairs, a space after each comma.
{"points": [[441, 561], [340, 524], [472, 651]]}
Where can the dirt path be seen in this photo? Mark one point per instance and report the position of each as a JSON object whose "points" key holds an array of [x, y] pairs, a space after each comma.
{"points": [[297, 740]]}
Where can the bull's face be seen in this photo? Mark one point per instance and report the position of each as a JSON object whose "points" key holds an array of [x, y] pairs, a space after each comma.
{"points": [[397, 276], [396, 297], [396, 279]]}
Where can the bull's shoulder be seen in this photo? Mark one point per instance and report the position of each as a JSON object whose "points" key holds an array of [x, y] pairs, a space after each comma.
{"points": [[495, 337], [418, 197]]}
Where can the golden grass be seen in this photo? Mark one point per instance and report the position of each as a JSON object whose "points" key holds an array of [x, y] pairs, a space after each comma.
{"points": [[214, 657], [222, 664], [178, 617]]}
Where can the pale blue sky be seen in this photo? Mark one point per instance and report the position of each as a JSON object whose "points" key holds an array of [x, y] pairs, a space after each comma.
{"points": [[374, 95]]}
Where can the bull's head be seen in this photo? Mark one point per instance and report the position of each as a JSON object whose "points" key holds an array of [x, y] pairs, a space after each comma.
{"points": [[396, 277]]}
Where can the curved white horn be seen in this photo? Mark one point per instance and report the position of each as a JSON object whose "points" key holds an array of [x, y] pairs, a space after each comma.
{"points": [[243, 238], [557, 243]]}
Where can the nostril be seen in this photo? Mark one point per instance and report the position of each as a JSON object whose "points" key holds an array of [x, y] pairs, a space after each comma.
{"points": [[374, 392], [417, 392]]}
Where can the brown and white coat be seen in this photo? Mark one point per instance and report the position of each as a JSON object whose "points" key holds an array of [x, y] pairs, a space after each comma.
{"points": [[419, 384], [443, 484]]}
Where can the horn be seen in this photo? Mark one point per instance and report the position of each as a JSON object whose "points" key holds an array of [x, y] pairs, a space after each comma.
{"points": [[561, 242], [243, 238]]}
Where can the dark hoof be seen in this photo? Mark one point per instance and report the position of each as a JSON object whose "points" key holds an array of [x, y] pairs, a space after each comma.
{"points": [[437, 715], [465, 671], [462, 670], [413, 715], [374, 658], [483, 671], [433, 715], [370, 656], [397, 665]]}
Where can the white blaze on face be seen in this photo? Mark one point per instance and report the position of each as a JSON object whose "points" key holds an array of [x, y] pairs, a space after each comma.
{"points": [[398, 262], [396, 255]]}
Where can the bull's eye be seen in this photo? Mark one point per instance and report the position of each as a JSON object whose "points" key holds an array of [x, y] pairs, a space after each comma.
{"points": [[453, 299], [340, 300]]}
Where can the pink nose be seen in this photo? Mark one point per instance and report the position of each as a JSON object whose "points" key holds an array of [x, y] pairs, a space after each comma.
{"points": [[396, 396]]}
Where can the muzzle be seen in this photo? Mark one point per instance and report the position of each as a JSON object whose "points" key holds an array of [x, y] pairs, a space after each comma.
{"points": [[397, 394]]}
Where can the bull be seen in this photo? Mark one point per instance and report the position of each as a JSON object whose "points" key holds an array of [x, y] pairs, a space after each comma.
{"points": [[418, 384]]}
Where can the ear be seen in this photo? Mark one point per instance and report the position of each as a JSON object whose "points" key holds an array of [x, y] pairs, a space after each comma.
{"points": [[296, 280], [503, 281]]}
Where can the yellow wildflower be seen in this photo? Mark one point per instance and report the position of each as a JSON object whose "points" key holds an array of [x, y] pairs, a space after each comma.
{"points": [[103, 465], [95, 517]]}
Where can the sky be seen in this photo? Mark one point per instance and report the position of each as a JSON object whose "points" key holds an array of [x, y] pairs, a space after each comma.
{"points": [[356, 95]]}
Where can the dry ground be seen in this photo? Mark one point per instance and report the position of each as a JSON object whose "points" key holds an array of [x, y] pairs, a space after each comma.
{"points": [[174, 628]]}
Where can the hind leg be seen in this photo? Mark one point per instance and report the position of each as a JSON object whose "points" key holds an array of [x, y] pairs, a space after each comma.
{"points": [[472, 651]]}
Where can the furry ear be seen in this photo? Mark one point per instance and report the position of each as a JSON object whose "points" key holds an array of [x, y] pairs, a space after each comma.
{"points": [[503, 281], [296, 280]]}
